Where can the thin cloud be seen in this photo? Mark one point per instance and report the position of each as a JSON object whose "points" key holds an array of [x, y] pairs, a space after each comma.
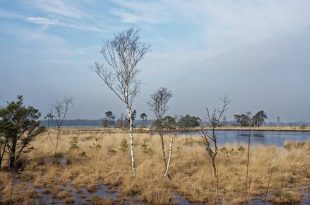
{"points": [[60, 7], [43, 21], [140, 12], [128, 17], [57, 22], [224, 25]]}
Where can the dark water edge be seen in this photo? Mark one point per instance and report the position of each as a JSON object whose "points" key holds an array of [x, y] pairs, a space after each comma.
{"points": [[238, 137], [83, 196], [257, 137]]}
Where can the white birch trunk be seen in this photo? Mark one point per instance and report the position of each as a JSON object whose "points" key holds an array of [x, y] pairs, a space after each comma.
{"points": [[169, 157], [132, 151]]}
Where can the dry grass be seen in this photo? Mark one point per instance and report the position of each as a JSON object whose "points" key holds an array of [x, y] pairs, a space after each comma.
{"points": [[104, 161]]}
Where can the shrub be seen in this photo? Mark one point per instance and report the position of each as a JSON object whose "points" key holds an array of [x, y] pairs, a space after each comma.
{"points": [[95, 145], [74, 144], [123, 145]]}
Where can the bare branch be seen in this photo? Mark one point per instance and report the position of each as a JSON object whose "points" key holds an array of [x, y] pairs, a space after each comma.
{"points": [[213, 120], [121, 55]]}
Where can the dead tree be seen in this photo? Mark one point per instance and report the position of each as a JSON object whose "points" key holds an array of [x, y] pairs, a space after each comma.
{"points": [[119, 72], [58, 115], [208, 134], [158, 104]]}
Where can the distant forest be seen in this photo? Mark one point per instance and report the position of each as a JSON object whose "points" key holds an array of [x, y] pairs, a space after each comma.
{"points": [[87, 123], [138, 123]]}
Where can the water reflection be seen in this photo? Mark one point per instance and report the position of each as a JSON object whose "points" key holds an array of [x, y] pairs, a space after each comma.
{"points": [[257, 137]]}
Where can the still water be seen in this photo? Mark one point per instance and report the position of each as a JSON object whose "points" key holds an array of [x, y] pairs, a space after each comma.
{"points": [[257, 137]]}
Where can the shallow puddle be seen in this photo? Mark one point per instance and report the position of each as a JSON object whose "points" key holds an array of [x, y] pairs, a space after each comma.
{"points": [[305, 200], [74, 195], [178, 199], [83, 196]]}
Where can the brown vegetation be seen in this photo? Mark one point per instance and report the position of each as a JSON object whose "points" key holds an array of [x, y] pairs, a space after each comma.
{"points": [[103, 159]]}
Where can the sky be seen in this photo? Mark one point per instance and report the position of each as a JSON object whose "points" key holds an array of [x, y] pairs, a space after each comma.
{"points": [[256, 52]]}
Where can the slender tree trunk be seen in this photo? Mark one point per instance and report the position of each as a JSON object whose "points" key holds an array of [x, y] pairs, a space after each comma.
{"points": [[268, 185], [11, 160], [169, 157], [214, 167], [0, 156], [213, 157], [248, 163], [163, 147], [2, 151], [13, 177], [161, 135], [57, 140], [269, 180], [12, 155], [132, 151]]}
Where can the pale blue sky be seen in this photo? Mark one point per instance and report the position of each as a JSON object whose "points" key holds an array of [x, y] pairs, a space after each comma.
{"points": [[256, 52]]}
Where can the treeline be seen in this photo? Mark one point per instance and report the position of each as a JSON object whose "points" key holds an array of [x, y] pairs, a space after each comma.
{"points": [[75, 123], [167, 122], [183, 122], [247, 120]]}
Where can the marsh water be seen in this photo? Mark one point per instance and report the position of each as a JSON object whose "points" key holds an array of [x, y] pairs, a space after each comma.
{"points": [[277, 138]]}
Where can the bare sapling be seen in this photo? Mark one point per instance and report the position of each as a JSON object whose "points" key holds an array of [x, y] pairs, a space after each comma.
{"points": [[272, 165], [119, 73], [159, 105], [49, 118], [247, 182], [208, 134], [59, 115]]}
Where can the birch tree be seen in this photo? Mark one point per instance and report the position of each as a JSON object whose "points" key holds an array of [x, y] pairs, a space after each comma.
{"points": [[119, 72], [159, 105]]}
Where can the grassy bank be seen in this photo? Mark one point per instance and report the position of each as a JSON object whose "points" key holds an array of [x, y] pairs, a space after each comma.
{"points": [[102, 158]]}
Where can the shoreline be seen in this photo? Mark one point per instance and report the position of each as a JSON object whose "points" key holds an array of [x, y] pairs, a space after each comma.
{"points": [[148, 130]]}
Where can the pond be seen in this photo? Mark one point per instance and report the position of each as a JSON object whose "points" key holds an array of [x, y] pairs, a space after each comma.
{"points": [[277, 138]]}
